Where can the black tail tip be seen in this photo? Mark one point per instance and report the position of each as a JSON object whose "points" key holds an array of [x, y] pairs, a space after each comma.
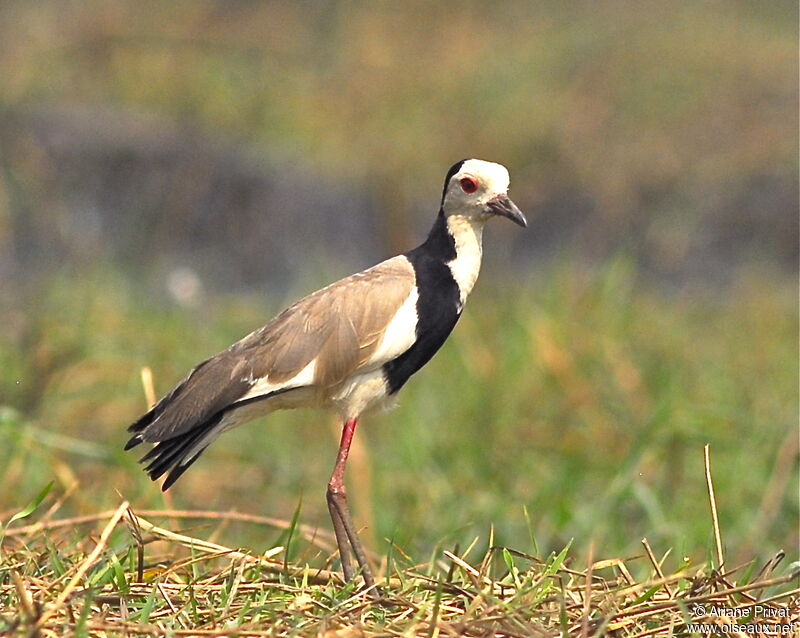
{"points": [[176, 472], [133, 442]]}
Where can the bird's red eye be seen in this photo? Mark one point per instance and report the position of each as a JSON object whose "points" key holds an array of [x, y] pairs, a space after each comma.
{"points": [[469, 185]]}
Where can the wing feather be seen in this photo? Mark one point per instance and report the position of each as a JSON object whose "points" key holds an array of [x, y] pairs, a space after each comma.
{"points": [[339, 328]]}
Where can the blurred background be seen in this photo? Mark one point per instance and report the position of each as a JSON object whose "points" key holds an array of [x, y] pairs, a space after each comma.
{"points": [[173, 173]]}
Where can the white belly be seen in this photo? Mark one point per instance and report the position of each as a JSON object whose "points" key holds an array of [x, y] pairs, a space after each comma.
{"points": [[361, 393]]}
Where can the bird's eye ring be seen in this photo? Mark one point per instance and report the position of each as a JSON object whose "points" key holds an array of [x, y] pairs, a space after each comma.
{"points": [[468, 185]]}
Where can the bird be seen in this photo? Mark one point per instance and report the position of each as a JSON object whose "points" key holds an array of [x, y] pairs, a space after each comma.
{"points": [[348, 347]]}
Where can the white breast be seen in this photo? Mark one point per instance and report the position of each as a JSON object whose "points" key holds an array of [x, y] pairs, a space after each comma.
{"points": [[400, 334], [466, 266]]}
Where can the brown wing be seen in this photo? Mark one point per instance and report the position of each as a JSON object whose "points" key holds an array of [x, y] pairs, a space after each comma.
{"points": [[339, 326]]}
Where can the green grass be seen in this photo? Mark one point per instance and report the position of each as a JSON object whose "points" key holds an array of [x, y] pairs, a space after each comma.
{"points": [[585, 398], [569, 410]]}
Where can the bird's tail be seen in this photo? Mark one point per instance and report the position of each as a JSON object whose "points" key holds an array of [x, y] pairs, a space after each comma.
{"points": [[177, 454], [180, 434], [194, 413]]}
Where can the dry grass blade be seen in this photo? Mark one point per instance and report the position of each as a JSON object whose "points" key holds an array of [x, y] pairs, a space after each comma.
{"points": [[26, 602], [321, 538], [656, 565], [211, 548], [84, 566], [148, 387], [713, 504], [469, 569], [587, 594]]}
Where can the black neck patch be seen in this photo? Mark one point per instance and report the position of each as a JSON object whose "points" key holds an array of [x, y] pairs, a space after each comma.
{"points": [[439, 243], [437, 303], [453, 170]]}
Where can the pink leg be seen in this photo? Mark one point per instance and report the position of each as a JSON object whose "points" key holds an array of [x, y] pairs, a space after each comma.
{"points": [[346, 536]]}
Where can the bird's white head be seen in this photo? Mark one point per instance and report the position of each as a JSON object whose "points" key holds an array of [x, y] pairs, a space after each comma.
{"points": [[478, 190]]}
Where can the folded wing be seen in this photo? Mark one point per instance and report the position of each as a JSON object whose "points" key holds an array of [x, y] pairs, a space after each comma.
{"points": [[318, 342]]}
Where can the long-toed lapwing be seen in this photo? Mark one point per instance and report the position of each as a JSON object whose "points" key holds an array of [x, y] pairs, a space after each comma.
{"points": [[348, 347]]}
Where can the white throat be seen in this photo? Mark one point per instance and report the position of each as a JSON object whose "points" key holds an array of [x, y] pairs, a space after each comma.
{"points": [[467, 233]]}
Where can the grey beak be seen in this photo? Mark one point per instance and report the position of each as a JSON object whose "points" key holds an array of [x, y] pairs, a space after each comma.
{"points": [[503, 206]]}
